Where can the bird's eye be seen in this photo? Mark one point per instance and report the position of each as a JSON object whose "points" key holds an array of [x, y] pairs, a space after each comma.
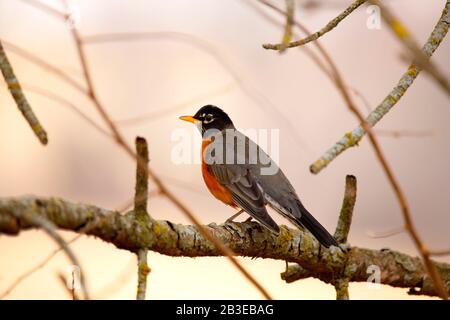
{"points": [[208, 118]]}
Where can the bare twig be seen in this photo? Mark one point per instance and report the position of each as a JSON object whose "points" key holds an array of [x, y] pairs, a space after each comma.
{"points": [[29, 56], [50, 229], [287, 36], [46, 8], [143, 271], [310, 53], [420, 59], [140, 211], [330, 26], [342, 230], [64, 102], [21, 101], [141, 189], [154, 115], [346, 214], [339, 280], [440, 252], [33, 270], [341, 286], [385, 233]]}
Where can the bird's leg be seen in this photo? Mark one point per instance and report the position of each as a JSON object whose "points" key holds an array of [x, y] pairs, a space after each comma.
{"points": [[230, 219]]}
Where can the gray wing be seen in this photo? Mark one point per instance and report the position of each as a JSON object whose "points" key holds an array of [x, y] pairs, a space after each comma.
{"points": [[258, 180], [246, 194], [281, 196]]}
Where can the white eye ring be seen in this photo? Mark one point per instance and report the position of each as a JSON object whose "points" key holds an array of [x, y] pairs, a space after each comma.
{"points": [[208, 119]]}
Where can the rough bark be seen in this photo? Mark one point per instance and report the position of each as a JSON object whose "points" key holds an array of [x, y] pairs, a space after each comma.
{"points": [[245, 239]]}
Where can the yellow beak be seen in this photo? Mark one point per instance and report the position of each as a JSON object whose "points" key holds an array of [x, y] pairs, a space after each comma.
{"points": [[189, 119]]}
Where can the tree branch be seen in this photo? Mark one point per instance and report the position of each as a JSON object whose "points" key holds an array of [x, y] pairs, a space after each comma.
{"points": [[19, 97], [342, 230], [345, 217], [143, 271], [245, 239], [290, 11], [420, 59], [352, 138], [43, 223], [340, 281], [140, 211], [141, 189], [316, 35]]}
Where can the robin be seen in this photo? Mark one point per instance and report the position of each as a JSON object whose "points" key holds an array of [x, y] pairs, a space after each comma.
{"points": [[242, 183]]}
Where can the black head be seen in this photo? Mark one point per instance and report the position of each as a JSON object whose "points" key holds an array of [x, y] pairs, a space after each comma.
{"points": [[210, 117]]}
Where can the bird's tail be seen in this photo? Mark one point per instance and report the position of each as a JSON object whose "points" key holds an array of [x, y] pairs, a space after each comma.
{"points": [[318, 231]]}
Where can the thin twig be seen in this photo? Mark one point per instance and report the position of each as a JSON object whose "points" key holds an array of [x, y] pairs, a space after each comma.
{"points": [[141, 187], [341, 286], [46, 8], [50, 229], [330, 26], [420, 59], [385, 233], [440, 252], [346, 214], [140, 211], [287, 36], [64, 102], [342, 230], [19, 97], [339, 280], [154, 115], [29, 56], [33, 270], [310, 53], [143, 271]]}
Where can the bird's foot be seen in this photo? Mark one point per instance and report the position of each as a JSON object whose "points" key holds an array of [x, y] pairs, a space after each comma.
{"points": [[234, 216]]}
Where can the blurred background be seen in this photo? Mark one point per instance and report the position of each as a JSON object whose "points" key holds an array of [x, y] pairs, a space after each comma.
{"points": [[209, 52]]}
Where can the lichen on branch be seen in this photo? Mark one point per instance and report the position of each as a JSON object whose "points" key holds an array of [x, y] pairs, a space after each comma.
{"points": [[245, 239]]}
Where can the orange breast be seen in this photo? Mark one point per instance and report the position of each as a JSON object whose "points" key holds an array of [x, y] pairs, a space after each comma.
{"points": [[218, 190]]}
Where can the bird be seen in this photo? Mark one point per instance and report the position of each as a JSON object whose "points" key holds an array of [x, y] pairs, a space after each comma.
{"points": [[242, 184]]}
